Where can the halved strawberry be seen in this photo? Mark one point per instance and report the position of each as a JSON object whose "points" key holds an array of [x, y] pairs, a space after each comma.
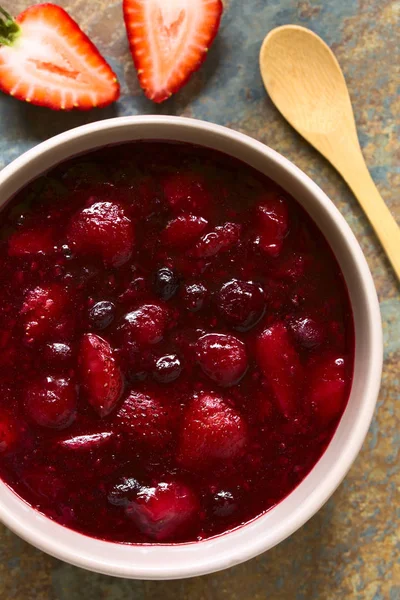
{"points": [[46, 59], [169, 40], [280, 364], [100, 373]]}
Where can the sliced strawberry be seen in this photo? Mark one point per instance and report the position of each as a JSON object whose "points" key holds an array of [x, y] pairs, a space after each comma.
{"points": [[169, 40], [328, 388], [100, 373], [281, 366], [162, 511], [103, 229], [42, 308], [221, 239], [183, 230], [272, 224], [47, 60], [211, 431], [145, 420], [31, 241]]}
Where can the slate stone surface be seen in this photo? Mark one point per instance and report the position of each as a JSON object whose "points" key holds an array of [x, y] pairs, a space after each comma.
{"points": [[351, 548]]}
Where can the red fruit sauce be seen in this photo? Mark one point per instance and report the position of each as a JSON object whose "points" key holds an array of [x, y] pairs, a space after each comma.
{"points": [[176, 343]]}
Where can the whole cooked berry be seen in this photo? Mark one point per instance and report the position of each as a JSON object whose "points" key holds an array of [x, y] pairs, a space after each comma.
{"points": [[51, 402], [222, 357], [307, 332], [145, 325], [101, 315], [165, 283], [241, 303], [194, 295], [163, 510], [167, 368]]}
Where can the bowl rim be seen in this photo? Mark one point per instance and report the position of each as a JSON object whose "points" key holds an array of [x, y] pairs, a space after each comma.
{"points": [[182, 560]]}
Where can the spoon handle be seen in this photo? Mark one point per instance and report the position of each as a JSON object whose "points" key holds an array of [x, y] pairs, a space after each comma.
{"points": [[356, 174]]}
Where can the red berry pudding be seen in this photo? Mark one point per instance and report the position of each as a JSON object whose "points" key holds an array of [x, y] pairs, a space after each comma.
{"points": [[176, 343]]}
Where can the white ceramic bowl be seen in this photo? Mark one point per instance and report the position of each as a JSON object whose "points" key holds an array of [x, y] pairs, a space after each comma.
{"points": [[186, 560]]}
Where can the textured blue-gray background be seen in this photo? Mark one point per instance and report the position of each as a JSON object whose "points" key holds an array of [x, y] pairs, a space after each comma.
{"points": [[351, 548]]}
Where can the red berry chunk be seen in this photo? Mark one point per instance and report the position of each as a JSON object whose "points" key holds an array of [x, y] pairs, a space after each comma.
{"points": [[145, 419], [145, 325], [183, 230], [102, 230], [186, 192], [51, 402], [211, 431], [162, 511], [272, 219], [241, 303], [42, 308], [31, 242], [100, 374], [222, 357], [281, 366], [329, 388], [220, 240]]}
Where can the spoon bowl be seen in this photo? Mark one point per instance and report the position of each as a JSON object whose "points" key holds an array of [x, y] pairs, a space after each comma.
{"points": [[305, 82]]}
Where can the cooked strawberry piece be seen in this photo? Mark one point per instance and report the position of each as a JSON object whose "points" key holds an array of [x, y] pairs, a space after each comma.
{"points": [[183, 230], [169, 41], [329, 388], [145, 419], [42, 308], [211, 431], [102, 230], [86, 442], [272, 224], [241, 303], [10, 431], [222, 357], [47, 60], [162, 511], [281, 366], [51, 402], [220, 240], [100, 374], [28, 242], [145, 325], [187, 191]]}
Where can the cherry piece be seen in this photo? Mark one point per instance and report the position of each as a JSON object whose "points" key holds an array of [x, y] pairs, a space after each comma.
{"points": [[162, 511], [241, 303], [222, 357]]}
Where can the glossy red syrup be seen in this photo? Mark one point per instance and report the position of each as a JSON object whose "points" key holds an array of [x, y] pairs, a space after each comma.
{"points": [[176, 343]]}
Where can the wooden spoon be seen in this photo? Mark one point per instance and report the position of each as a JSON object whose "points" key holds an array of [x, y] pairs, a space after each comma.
{"points": [[306, 84]]}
